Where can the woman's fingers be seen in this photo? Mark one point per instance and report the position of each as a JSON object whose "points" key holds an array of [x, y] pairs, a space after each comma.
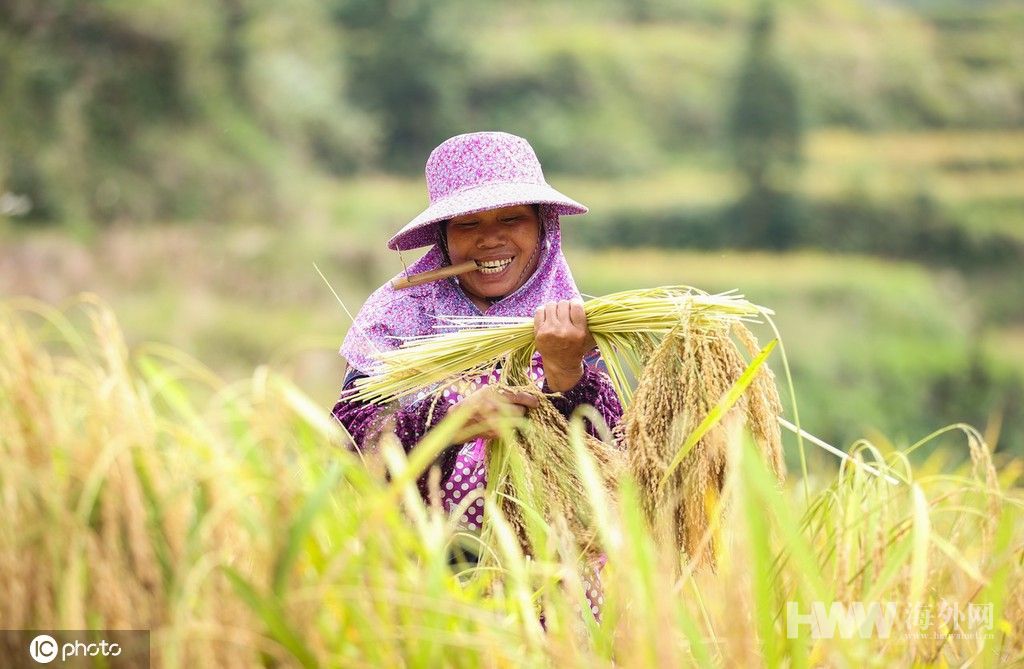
{"points": [[489, 424], [562, 312], [518, 398], [563, 315], [562, 335], [551, 314], [576, 313], [523, 400], [491, 400]]}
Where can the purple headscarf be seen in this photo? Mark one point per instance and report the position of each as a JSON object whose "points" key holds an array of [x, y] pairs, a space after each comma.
{"points": [[390, 315]]}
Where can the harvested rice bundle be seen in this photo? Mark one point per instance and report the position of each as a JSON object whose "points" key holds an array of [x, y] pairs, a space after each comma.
{"points": [[676, 341], [534, 471], [625, 325], [684, 379]]}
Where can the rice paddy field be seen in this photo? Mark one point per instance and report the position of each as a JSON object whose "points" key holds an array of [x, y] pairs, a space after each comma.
{"points": [[143, 491], [878, 345], [174, 425], [172, 192]]}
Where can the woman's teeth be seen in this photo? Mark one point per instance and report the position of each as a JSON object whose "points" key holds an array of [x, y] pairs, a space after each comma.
{"points": [[493, 266]]}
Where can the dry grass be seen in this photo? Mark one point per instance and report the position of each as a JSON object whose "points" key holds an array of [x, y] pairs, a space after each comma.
{"points": [[139, 489], [105, 527]]}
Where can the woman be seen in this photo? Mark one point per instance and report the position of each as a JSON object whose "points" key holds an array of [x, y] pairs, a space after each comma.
{"points": [[489, 202]]}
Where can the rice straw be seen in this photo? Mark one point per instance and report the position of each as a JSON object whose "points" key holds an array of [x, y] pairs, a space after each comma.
{"points": [[625, 325]]}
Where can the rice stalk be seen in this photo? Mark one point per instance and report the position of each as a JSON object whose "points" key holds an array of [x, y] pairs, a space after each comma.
{"points": [[234, 485], [534, 476], [625, 325]]}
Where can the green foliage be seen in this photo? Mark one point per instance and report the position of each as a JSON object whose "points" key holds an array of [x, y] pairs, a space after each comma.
{"points": [[766, 218], [915, 227], [765, 128], [128, 111], [766, 138], [405, 61]]}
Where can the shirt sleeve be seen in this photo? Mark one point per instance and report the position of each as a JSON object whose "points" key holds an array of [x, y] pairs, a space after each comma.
{"points": [[594, 388], [365, 422]]}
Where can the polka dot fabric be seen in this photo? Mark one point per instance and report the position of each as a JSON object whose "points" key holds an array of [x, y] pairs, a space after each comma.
{"points": [[462, 493], [463, 467], [470, 471], [592, 587]]}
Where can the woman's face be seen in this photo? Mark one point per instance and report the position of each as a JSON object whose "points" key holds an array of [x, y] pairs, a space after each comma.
{"points": [[506, 239]]}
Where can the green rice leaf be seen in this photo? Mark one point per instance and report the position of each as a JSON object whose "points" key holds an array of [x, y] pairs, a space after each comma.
{"points": [[919, 557], [269, 611], [300, 527]]}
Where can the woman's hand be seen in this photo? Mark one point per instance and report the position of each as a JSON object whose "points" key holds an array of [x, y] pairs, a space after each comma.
{"points": [[563, 338], [489, 405]]}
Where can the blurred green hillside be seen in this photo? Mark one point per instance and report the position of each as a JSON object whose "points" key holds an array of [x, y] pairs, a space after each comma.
{"points": [[190, 161], [207, 109]]}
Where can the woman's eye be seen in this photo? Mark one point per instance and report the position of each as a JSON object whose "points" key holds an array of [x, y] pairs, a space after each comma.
{"points": [[510, 221], [466, 226]]}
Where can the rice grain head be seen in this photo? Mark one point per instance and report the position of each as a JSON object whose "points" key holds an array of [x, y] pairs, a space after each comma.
{"points": [[984, 473], [551, 485], [684, 379], [764, 406]]}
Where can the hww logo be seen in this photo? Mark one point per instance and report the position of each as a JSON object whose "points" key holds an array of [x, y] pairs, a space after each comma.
{"points": [[873, 619]]}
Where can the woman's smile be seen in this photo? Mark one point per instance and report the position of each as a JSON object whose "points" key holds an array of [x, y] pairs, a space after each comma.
{"points": [[504, 244], [492, 269], [496, 277]]}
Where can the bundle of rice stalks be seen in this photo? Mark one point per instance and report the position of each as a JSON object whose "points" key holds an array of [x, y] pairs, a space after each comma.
{"points": [[684, 381], [534, 475], [625, 325], [676, 341]]}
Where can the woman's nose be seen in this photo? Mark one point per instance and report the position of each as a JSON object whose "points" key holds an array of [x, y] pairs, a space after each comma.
{"points": [[491, 236]]}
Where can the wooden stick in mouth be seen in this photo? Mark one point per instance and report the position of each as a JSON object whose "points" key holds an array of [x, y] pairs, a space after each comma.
{"points": [[433, 275]]}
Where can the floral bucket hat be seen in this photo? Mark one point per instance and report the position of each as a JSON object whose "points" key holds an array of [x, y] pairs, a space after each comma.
{"points": [[475, 172]]}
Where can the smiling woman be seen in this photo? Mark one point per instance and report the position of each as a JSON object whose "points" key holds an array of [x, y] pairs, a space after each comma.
{"points": [[490, 204]]}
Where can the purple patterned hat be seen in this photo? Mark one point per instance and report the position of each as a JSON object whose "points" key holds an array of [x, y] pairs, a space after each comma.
{"points": [[479, 171]]}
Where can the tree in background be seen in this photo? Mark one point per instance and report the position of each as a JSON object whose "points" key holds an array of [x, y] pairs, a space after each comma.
{"points": [[766, 138], [405, 70], [160, 111], [78, 89]]}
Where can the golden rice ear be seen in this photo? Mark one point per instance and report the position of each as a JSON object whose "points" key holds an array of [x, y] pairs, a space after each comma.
{"points": [[626, 326], [763, 406], [516, 367], [685, 377], [536, 476]]}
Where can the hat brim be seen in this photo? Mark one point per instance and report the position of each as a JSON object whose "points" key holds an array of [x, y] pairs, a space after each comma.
{"points": [[420, 231]]}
